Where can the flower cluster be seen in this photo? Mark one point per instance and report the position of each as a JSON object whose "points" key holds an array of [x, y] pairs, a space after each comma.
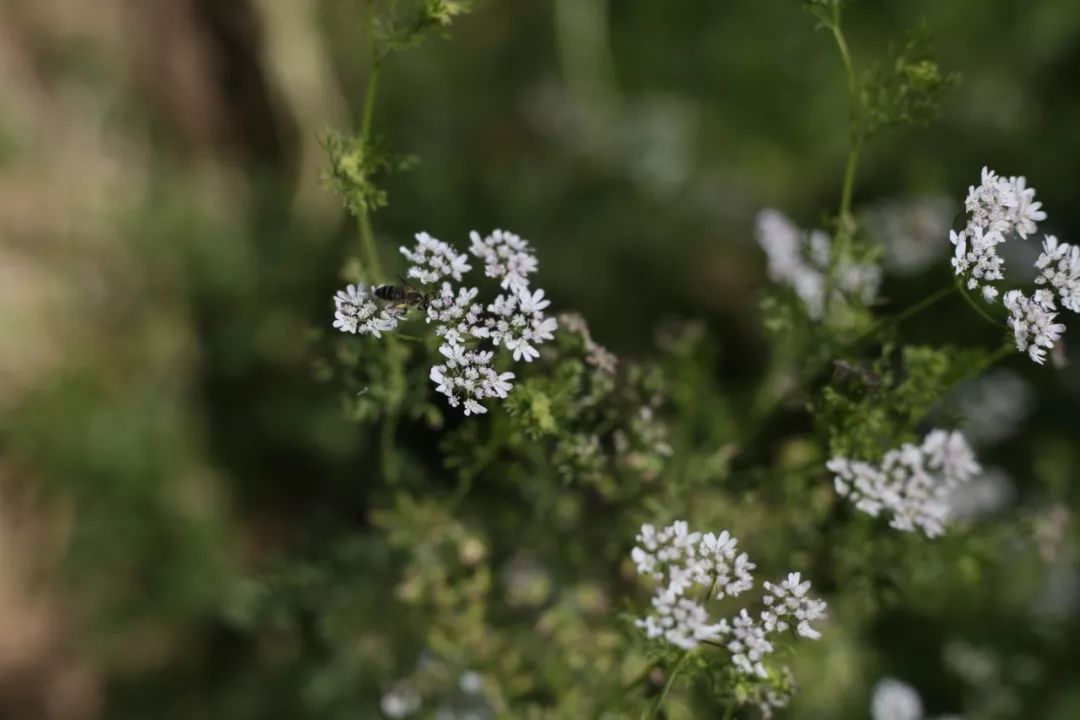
{"points": [[998, 209], [515, 320], [684, 562], [1032, 322], [432, 260], [1059, 267], [506, 256], [801, 261], [912, 483], [467, 376], [355, 312]]}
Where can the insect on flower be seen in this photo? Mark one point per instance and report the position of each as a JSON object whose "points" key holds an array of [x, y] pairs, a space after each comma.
{"points": [[403, 296]]}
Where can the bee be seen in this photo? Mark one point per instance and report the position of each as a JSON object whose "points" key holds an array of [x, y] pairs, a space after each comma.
{"points": [[403, 296]]}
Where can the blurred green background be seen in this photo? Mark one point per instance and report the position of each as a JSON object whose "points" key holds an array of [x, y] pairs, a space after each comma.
{"points": [[166, 250]]}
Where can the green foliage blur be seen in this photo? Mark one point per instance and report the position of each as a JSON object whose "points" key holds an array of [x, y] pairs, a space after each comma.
{"points": [[213, 505]]}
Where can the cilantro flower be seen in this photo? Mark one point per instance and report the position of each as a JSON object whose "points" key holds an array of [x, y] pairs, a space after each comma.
{"points": [[912, 483], [466, 378], [1032, 322], [432, 260], [355, 312], [691, 569], [506, 256], [1059, 268], [471, 332]]}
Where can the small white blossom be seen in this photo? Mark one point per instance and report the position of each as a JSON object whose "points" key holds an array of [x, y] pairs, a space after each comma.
{"points": [[432, 260], [912, 484], [710, 566], [679, 620], [788, 603], [356, 313], [690, 559], [976, 256], [517, 322], [1032, 322], [506, 256], [748, 644], [1003, 205], [1027, 212], [998, 209], [895, 700], [1059, 267], [457, 318], [467, 378]]}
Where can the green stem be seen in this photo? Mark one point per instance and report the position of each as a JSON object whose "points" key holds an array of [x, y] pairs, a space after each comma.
{"points": [[928, 301], [974, 305], [845, 225], [367, 237], [373, 78], [667, 685], [730, 711], [396, 374]]}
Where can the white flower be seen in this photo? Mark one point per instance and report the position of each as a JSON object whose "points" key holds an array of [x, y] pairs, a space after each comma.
{"points": [[679, 620], [356, 313], [432, 260], [1003, 205], [748, 644], [709, 565], [1033, 323], [517, 322], [912, 484], [1059, 267], [457, 318], [788, 603], [506, 256], [1027, 212], [467, 378], [801, 261], [998, 209], [976, 256], [894, 700]]}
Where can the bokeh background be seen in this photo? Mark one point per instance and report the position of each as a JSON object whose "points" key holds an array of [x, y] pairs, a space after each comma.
{"points": [[166, 249]]}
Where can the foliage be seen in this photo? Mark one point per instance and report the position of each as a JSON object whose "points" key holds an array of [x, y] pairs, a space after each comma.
{"points": [[248, 513]]}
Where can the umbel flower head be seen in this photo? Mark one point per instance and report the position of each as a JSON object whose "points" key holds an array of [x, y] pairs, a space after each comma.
{"points": [[472, 333], [691, 569], [1000, 208], [912, 484]]}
